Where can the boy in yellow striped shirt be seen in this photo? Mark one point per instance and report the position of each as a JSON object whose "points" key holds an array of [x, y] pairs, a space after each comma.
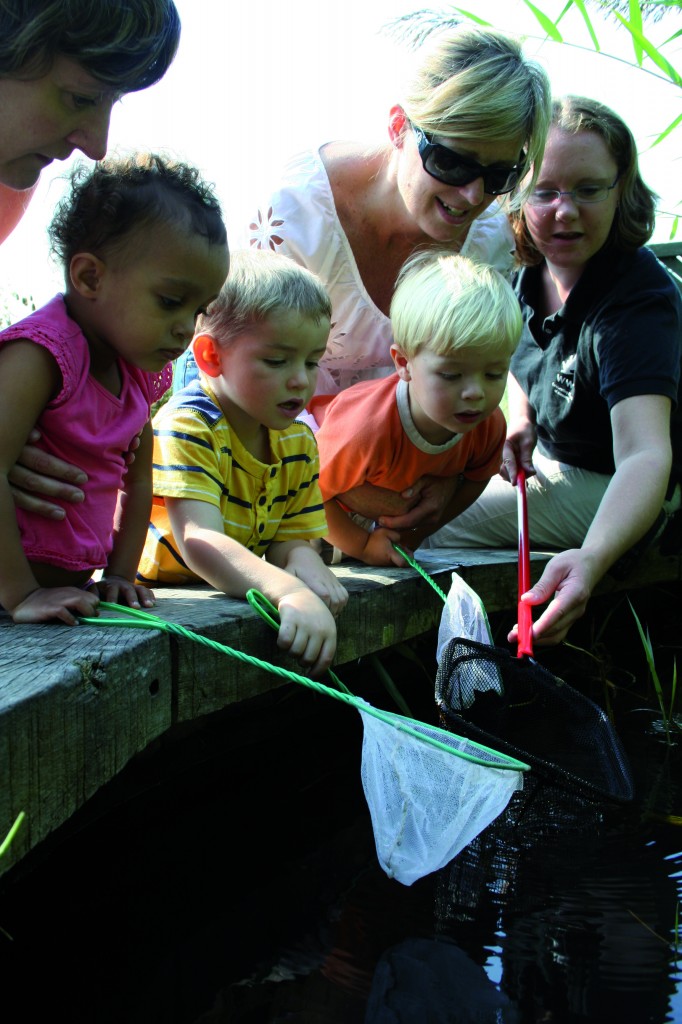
{"points": [[235, 474]]}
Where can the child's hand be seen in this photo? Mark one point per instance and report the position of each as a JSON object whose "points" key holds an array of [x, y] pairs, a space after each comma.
{"points": [[305, 563], [118, 590], [379, 548], [48, 603], [307, 630]]}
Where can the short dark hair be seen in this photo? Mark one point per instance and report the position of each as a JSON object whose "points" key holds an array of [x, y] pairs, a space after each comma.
{"points": [[125, 44], [635, 217], [121, 195]]}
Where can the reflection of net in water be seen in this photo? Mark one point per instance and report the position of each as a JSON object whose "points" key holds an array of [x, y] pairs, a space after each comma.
{"points": [[566, 738]]}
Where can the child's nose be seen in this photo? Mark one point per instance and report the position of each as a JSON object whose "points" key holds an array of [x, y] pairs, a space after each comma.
{"points": [[472, 388], [184, 329], [299, 378]]}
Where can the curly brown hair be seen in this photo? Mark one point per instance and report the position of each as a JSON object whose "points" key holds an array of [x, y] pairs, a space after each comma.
{"points": [[120, 195]]}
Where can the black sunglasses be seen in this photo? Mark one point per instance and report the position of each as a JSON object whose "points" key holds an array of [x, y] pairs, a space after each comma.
{"points": [[454, 169]]}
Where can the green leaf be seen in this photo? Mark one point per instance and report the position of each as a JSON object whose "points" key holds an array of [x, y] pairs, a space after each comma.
{"points": [[671, 127], [586, 18], [636, 23], [546, 23], [473, 17], [675, 35], [565, 11], [651, 51]]}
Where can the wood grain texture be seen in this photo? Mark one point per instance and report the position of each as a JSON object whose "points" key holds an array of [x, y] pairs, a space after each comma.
{"points": [[77, 703]]}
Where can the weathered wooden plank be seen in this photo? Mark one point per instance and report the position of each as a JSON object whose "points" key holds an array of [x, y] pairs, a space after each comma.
{"points": [[75, 707], [76, 704]]}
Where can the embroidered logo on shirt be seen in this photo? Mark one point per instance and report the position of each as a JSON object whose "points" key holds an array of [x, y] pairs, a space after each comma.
{"points": [[564, 384]]}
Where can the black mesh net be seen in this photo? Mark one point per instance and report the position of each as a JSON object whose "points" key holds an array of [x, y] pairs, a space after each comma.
{"points": [[518, 707]]}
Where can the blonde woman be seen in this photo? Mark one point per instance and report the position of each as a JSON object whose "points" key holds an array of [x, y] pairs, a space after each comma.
{"points": [[470, 125]]}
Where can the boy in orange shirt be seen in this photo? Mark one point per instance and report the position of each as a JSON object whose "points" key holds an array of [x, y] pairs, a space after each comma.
{"points": [[455, 327]]}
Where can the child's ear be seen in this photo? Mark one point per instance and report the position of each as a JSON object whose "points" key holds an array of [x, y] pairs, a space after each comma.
{"points": [[398, 124], [207, 355], [86, 273], [402, 363]]}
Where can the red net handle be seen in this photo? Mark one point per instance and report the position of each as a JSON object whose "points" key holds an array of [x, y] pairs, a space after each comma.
{"points": [[524, 611]]}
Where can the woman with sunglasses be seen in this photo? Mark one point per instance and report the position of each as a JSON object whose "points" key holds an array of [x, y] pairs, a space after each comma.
{"points": [[472, 122], [63, 65], [595, 376]]}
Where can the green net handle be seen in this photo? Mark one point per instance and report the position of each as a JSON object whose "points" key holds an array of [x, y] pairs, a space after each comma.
{"points": [[136, 618], [422, 572], [266, 609]]}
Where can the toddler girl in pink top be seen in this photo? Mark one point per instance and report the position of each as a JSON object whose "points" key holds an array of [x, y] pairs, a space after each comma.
{"points": [[144, 251]]}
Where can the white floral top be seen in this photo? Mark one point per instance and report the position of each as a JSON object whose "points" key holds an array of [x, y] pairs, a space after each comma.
{"points": [[300, 220]]}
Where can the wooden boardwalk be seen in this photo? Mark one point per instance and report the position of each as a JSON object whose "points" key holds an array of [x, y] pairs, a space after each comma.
{"points": [[78, 703]]}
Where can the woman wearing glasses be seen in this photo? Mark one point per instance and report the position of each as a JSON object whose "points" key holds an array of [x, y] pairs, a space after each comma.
{"points": [[596, 373]]}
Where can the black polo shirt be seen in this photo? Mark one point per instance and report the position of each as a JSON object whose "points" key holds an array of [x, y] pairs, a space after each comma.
{"points": [[618, 335]]}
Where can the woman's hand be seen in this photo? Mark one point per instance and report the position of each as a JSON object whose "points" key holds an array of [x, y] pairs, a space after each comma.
{"points": [[518, 450], [37, 477], [567, 583], [433, 494], [37, 473], [521, 433]]}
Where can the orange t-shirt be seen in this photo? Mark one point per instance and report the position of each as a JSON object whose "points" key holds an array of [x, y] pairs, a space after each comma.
{"points": [[367, 435]]}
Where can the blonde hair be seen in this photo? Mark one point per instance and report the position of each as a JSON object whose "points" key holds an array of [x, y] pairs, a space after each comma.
{"points": [[258, 284], [445, 302], [476, 84]]}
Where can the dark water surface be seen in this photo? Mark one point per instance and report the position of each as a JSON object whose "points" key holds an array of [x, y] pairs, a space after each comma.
{"points": [[241, 884]]}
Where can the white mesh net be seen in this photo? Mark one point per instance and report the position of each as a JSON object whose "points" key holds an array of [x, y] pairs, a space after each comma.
{"points": [[465, 616], [427, 804]]}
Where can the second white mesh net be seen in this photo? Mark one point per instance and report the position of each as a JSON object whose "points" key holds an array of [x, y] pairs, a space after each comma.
{"points": [[426, 804]]}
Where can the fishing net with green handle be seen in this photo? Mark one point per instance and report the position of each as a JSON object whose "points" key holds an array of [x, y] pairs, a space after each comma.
{"points": [[429, 791]]}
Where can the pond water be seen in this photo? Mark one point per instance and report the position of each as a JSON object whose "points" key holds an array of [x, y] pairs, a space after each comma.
{"points": [[240, 883]]}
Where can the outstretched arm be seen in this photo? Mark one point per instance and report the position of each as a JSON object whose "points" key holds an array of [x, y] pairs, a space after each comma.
{"points": [[633, 499], [521, 433], [299, 558], [307, 631]]}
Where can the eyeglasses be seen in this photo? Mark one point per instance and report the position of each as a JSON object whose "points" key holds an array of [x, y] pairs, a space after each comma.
{"points": [[583, 194], [452, 168]]}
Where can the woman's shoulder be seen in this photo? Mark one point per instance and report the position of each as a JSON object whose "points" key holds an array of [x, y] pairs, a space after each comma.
{"points": [[301, 201], [630, 276], [490, 239]]}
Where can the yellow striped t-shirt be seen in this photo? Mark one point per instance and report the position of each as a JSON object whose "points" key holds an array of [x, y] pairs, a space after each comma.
{"points": [[197, 455]]}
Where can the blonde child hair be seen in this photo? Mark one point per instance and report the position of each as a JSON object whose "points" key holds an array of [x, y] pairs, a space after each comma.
{"points": [[258, 284], [446, 302]]}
